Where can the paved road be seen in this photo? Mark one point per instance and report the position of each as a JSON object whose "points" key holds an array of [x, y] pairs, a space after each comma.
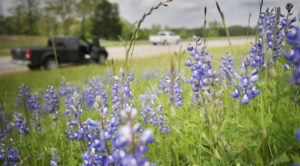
{"points": [[119, 53]]}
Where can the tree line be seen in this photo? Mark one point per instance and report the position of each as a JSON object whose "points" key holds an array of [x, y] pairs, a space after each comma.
{"points": [[88, 18], [65, 17]]}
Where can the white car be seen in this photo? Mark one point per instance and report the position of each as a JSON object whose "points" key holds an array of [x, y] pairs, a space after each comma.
{"points": [[164, 37]]}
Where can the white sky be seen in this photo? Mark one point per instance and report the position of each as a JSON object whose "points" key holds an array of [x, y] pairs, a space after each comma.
{"points": [[189, 13]]}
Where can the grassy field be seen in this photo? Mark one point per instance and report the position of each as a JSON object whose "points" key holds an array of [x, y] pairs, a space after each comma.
{"points": [[260, 133]]}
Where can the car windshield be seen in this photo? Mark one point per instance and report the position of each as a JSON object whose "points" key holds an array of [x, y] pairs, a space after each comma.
{"points": [[83, 42]]}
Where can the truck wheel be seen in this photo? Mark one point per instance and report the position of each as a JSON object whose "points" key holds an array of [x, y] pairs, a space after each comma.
{"points": [[165, 42], [154, 44], [33, 67], [50, 64], [101, 58]]}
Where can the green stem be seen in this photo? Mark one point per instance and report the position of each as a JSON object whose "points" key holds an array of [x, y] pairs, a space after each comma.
{"points": [[134, 36], [225, 27]]}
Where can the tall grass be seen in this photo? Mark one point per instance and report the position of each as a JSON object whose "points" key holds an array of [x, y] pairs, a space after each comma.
{"points": [[261, 134]]}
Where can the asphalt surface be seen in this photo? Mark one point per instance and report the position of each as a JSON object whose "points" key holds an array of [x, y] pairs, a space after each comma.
{"points": [[119, 53]]}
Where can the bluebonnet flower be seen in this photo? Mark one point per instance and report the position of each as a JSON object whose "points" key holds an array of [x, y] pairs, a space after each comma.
{"points": [[20, 123], [246, 88], [31, 107], [266, 30], [3, 121], [11, 158], [149, 74], [108, 77], [227, 69], [51, 102], [97, 134], [287, 22], [55, 158], [298, 135], [203, 77], [151, 113], [128, 137], [134, 138], [270, 24], [171, 84], [76, 130], [35, 107], [121, 92], [94, 89], [182, 76], [293, 56], [65, 88], [91, 159], [8, 155]]}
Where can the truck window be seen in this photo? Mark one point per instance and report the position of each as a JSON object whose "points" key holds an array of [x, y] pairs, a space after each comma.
{"points": [[57, 42], [72, 43], [83, 43]]}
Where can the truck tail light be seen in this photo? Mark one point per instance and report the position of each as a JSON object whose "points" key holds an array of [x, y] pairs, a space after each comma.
{"points": [[28, 54]]}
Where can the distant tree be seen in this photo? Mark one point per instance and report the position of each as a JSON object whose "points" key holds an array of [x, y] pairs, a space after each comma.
{"points": [[127, 29], [32, 8], [18, 18], [143, 34], [64, 10], [183, 33], [50, 19], [84, 8], [155, 29], [106, 21], [237, 30], [2, 19], [197, 32], [167, 28], [9, 25], [49, 23], [214, 29], [27, 15], [2, 22], [1, 9]]}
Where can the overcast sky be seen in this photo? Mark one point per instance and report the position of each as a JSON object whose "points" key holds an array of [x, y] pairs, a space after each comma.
{"points": [[189, 13]]}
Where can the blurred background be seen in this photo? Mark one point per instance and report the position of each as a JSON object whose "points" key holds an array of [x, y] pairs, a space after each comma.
{"points": [[114, 19]]}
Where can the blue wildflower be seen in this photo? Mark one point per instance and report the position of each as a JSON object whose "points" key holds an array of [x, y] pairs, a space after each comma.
{"points": [[55, 158], [203, 77], [51, 102]]}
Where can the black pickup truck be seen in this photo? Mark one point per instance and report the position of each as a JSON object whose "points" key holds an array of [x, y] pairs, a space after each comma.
{"points": [[68, 49]]}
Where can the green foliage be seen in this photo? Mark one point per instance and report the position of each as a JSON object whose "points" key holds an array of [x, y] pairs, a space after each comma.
{"points": [[105, 21], [214, 29], [84, 10], [183, 33], [60, 17], [155, 29], [63, 10], [127, 29]]}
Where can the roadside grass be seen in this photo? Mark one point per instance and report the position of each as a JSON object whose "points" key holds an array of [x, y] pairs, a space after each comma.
{"points": [[262, 133], [10, 82], [10, 41]]}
